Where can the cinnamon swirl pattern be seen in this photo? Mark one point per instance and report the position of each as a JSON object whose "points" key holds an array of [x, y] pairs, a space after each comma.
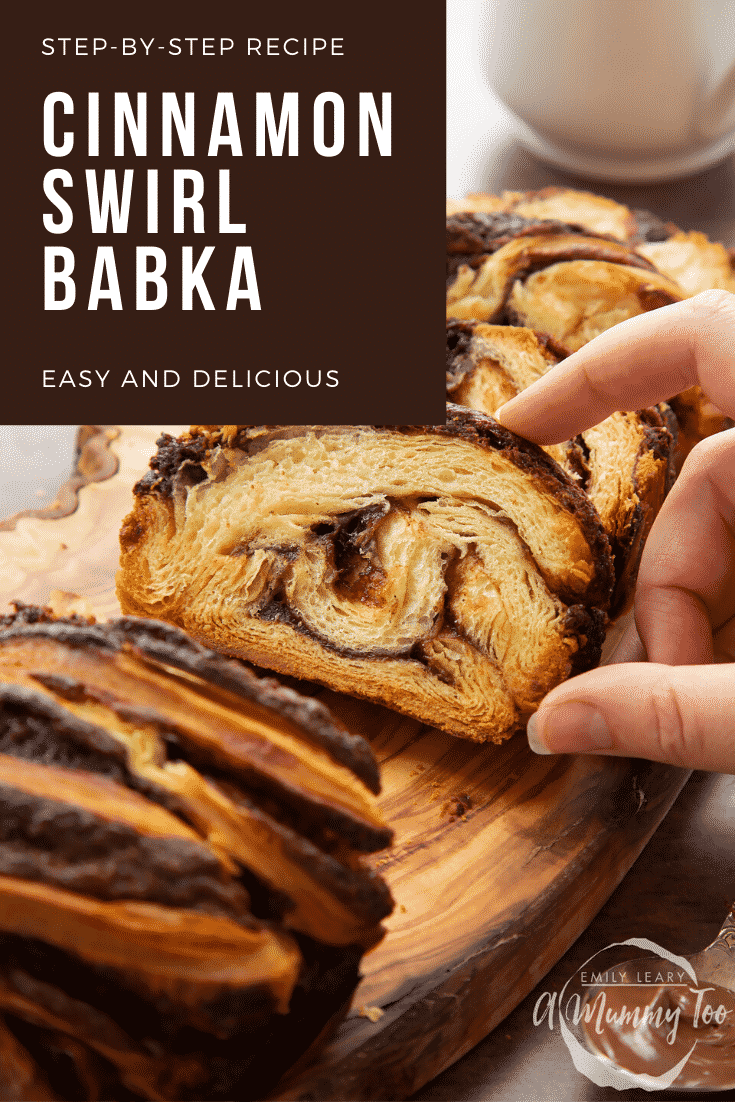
{"points": [[453, 572]]}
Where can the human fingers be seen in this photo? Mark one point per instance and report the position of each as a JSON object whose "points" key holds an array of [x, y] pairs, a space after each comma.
{"points": [[628, 647], [640, 361], [683, 715], [724, 642], [686, 582]]}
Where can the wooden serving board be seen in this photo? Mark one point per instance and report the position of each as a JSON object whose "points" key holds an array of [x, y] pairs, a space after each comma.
{"points": [[501, 858]]}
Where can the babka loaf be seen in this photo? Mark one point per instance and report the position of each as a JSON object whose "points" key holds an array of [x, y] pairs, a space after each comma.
{"points": [[689, 258], [505, 264], [558, 280], [625, 464], [183, 905], [452, 572]]}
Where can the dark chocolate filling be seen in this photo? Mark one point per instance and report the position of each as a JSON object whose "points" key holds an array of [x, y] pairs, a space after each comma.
{"points": [[473, 236], [173, 455], [34, 728], [244, 1066], [317, 820], [360, 889], [69, 847], [459, 352], [649, 227], [171, 646], [118, 995], [486, 432], [37, 729]]}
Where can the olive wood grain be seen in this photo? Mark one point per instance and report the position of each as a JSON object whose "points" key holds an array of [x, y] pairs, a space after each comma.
{"points": [[501, 858]]}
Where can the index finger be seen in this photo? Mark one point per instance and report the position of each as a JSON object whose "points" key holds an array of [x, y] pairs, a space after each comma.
{"points": [[635, 364]]}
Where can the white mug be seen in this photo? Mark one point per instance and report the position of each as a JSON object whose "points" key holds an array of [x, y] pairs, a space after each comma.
{"points": [[618, 89]]}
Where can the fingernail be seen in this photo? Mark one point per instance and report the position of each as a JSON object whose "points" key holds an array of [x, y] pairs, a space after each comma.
{"points": [[499, 412], [534, 736], [572, 728]]}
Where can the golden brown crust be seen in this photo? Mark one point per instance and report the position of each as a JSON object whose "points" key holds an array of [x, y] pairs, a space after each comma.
{"points": [[57, 821], [696, 263], [589, 212], [164, 643]]}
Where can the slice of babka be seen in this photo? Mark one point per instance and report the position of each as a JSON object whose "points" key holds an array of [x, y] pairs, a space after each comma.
{"points": [[452, 572]]}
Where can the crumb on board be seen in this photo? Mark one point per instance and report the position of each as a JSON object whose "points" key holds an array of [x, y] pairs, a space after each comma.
{"points": [[373, 1013], [63, 602], [456, 807]]}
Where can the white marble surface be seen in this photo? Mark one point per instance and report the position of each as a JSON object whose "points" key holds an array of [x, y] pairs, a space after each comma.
{"points": [[35, 460]]}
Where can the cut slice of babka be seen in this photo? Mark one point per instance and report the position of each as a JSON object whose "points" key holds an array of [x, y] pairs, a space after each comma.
{"points": [[452, 572]]}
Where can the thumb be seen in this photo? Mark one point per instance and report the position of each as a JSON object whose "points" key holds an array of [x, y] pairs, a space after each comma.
{"points": [[684, 715]]}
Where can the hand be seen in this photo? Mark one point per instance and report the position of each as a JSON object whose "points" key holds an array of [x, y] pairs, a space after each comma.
{"points": [[679, 707]]}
